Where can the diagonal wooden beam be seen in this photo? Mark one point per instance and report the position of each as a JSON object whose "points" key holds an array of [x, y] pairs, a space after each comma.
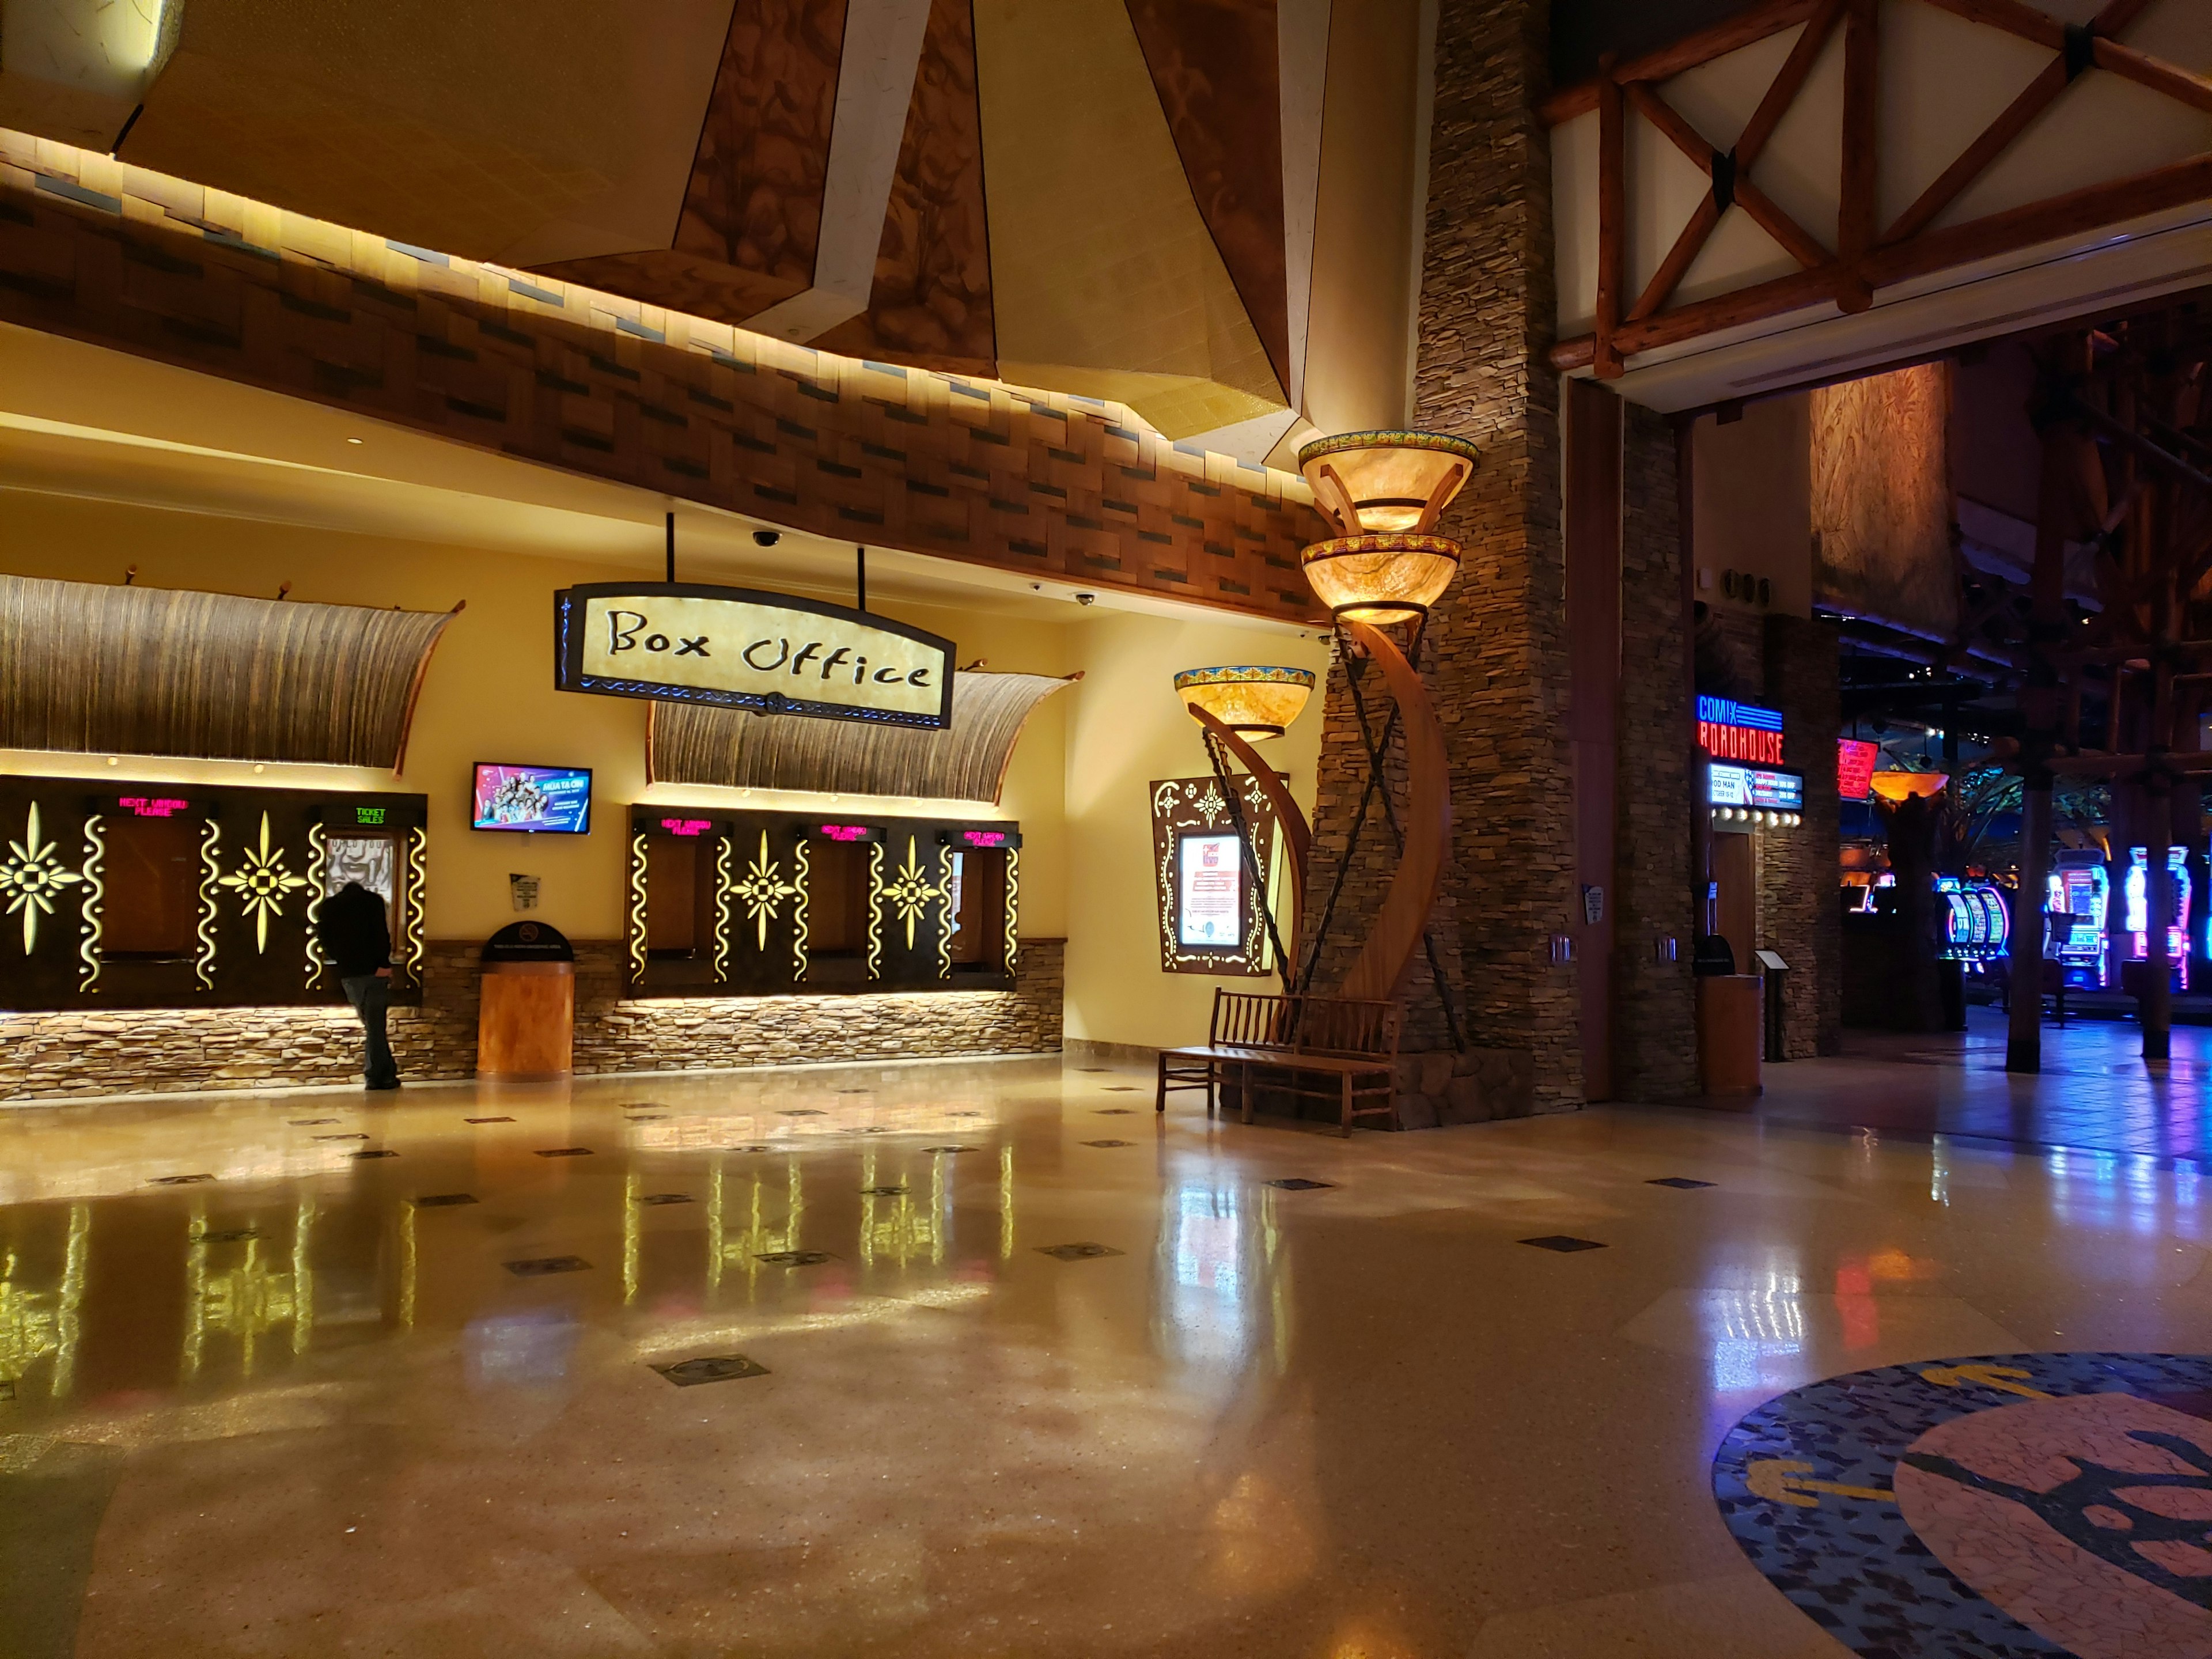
{"points": [[1789, 82], [2153, 72], [2011, 16], [1679, 257], [1996, 138], [1752, 24], [1803, 246], [2035, 98]]}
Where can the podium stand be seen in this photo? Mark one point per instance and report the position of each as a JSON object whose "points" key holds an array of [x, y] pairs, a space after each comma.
{"points": [[1729, 1022], [526, 1005]]}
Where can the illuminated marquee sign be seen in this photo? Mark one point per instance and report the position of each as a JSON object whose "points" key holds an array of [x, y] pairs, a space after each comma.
{"points": [[1728, 729], [1755, 786], [768, 652], [688, 828], [843, 831], [983, 837]]}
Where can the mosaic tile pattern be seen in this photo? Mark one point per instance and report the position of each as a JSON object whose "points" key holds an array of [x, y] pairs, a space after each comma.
{"points": [[2006, 1506]]}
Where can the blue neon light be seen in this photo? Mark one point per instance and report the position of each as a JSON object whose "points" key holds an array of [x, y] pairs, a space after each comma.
{"points": [[1726, 711]]}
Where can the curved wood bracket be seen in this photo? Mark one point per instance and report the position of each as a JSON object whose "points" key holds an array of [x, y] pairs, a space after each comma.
{"points": [[1295, 830], [1379, 974]]}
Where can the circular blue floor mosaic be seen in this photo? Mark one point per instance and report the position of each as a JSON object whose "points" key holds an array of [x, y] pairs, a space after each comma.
{"points": [[2010, 1505]]}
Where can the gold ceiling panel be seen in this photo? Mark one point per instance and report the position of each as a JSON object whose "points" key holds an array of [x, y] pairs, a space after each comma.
{"points": [[447, 126], [1106, 282]]}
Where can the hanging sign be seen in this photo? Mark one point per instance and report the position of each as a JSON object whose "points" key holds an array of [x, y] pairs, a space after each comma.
{"points": [[1854, 764], [769, 653]]}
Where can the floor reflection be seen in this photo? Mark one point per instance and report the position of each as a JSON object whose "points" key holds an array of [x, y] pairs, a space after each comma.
{"points": [[1351, 1415]]}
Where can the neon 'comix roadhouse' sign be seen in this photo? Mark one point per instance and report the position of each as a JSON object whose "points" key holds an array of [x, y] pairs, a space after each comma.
{"points": [[772, 653], [1728, 729]]}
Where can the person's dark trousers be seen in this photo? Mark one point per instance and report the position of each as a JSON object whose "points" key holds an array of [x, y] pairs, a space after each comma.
{"points": [[371, 995]]}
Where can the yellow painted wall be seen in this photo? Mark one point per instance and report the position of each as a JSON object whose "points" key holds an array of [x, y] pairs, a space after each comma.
{"points": [[1078, 783], [490, 697], [1126, 729]]}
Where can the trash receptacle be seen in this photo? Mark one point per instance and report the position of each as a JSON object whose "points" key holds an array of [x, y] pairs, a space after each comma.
{"points": [[526, 1009], [1774, 974]]}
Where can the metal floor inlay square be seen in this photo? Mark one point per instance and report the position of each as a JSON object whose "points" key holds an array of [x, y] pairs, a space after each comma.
{"points": [[645, 1117], [1109, 1143], [564, 1151], [352, 1137], [1096, 1069], [1299, 1184], [1119, 1088], [964, 1115], [667, 1198], [379, 1151], [794, 1258], [749, 1148], [538, 1266], [177, 1181], [228, 1236], [1085, 1252], [1114, 1111], [713, 1368], [1562, 1243], [487, 1120], [441, 1200], [644, 1106], [308, 1123], [802, 1111], [948, 1149], [883, 1192], [1681, 1182]]}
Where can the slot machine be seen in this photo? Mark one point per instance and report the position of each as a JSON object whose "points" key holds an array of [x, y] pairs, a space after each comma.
{"points": [[2135, 919], [2080, 890]]}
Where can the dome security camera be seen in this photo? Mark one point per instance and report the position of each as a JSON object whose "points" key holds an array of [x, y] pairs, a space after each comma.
{"points": [[1086, 599], [766, 537]]}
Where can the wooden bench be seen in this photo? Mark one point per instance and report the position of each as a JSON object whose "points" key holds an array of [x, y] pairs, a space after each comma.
{"points": [[1289, 1039]]}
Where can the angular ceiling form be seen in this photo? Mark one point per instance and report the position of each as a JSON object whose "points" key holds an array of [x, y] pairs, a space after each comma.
{"points": [[1087, 196]]}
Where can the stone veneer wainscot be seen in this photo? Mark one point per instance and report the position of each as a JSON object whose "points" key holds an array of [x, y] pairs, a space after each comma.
{"points": [[72, 1055]]}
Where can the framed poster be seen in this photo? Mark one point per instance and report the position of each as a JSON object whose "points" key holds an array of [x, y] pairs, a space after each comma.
{"points": [[1212, 915]]}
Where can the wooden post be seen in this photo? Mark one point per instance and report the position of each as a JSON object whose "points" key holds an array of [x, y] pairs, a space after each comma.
{"points": [[2042, 707], [1612, 216]]}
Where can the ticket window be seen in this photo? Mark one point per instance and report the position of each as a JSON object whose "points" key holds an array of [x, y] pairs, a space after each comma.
{"points": [[679, 897], [978, 910], [371, 858], [1735, 908], [837, 900], [151, 873]]}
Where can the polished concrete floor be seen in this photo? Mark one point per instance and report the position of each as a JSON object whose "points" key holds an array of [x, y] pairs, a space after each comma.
{"points": [[2094, 1091], [307, 1376]]}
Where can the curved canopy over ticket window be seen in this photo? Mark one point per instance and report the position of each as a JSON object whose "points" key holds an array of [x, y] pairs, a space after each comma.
{"points": [[94, 669], [734, 750]]}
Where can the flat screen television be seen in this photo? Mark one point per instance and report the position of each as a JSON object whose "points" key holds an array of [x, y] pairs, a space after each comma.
{"points": [[550, 800]]}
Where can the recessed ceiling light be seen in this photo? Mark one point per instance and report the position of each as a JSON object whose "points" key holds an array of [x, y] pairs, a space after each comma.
{"points": [[353, 440]]}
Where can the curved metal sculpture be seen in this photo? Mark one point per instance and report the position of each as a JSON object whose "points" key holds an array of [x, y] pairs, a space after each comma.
{"points": [[1296, 831], [1379, 974]]}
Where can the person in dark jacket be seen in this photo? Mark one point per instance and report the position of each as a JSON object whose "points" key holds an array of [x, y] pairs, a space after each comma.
{"points": [[358, 943]]}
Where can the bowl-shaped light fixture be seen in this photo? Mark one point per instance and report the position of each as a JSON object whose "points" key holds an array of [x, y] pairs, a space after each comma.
{"points": [[1254, 702], [1902, 786], [1381, 579], [1380, 483]]}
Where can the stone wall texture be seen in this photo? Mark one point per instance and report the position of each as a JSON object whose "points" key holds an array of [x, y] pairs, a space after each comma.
{"points": [[65, 1056], [1655, 1042], [1801, 916], [1494, 654]]}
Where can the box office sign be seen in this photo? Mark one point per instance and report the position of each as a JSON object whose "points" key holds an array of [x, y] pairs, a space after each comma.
{"points": [[770, 653]]}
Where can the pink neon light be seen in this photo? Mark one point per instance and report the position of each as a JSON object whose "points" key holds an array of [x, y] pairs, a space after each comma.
{"points": [[159, 806], [984, 837], [845, 831], [687, 826]]}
